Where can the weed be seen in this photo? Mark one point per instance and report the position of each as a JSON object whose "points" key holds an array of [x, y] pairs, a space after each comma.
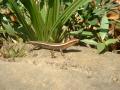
{"points": [[12, 50]]}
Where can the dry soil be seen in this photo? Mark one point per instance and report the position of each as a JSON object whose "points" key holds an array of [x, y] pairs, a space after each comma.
{"points": [[80, 69]]}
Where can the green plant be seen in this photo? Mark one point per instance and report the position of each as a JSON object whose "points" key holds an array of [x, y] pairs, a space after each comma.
{"points": [[12, 50], [43, 19], [94, 27], [103, 40], [7, 26]]}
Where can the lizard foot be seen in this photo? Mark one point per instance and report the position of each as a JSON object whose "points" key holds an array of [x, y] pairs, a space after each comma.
{"points": [[52, 54]]}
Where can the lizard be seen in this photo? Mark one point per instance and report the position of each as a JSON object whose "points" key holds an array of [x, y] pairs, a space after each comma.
{"points": [[54, 46]]}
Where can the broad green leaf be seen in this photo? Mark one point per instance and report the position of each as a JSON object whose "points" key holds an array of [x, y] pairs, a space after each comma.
{"points": [[104, 22], [89, 41], [103, 33], [104, 27], [2, 31], [9, 29], [111, 41], [76, 32], [99, 11], [93, 22], [87, 33], [101, 47]]}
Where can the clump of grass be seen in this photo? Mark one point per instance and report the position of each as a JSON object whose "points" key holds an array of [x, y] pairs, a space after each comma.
{"points": [[13, 50], [42, 20]]}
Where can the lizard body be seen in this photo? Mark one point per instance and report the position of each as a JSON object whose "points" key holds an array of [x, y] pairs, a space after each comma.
{"points": [[54, 46]]}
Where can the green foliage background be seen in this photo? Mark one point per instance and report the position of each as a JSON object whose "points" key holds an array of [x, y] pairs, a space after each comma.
{"points": [[43, 20]]}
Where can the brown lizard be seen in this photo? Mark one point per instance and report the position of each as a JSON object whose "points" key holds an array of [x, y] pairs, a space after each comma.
{"points": [[54, 46]]}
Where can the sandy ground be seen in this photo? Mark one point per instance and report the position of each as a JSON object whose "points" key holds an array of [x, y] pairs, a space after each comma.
{"points": [[80, 69]]}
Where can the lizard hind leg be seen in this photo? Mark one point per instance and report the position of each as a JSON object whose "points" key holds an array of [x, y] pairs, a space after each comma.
{"points": [[61, 51], [52, 54]]}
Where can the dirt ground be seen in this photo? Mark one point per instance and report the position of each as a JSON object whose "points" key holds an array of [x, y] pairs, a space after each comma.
{"points": [[80, 69]]}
